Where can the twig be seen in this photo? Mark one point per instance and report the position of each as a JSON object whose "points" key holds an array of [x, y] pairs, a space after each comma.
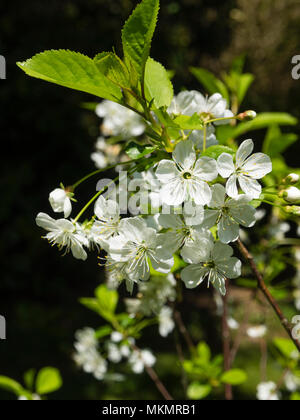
{"points": [[262, 286], [179, 350], [184, 331], [226, 344], [153, 375]]}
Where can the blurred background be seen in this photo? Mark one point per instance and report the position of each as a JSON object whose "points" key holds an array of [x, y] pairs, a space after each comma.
{"points": [[47, 138]]}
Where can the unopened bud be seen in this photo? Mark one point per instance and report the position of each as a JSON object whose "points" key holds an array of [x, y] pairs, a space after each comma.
{"points": [[247, 116], [291, 195], [291, 179], [293, 210]]}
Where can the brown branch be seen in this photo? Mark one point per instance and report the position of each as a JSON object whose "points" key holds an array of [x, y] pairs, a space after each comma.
{"points": [[262, 286], [184, 331], [226, 344], [153, 375], [184, 379]]}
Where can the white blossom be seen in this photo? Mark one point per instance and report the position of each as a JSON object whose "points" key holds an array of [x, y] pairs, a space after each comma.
{"points": [[85, 340], [258, 331], [60, 202], [63, 233], [210, 260], [191, 102], [185, 177], [197, 137], [166, 322], [139, 359], [228, 214], [118, 120], [135, 245], [246, 170], [292, 382], [267, 391], [108, 220]]}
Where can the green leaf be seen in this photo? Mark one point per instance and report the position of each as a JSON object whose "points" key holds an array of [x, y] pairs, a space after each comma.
{"points": [[295, 396], [107, 302], [103, 331], [113, 68], [10, 385], [137, 35], [189, 123], [72, 70], [264, 120], [210, 82], [215, 151], [245, 81], [137, 151], [48, 380], [276, 142], [203, 351], [29, 378], [234, 377], [286, 347], [196, 391], [158, 86]]}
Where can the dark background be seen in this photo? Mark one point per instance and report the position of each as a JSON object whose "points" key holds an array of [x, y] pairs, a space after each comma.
{"points": [[47, 138]]}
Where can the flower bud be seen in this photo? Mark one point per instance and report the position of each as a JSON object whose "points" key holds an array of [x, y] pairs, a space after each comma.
{"points": [[60, 201], [247, 116], [291, 195], [291, 179], [295, 210]]}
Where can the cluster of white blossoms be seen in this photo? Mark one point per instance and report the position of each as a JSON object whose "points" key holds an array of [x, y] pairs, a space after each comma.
{"points": [[88, 357], [200, 203], [268, 391]]}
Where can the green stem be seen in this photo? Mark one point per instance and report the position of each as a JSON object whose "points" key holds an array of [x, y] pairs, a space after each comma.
{"points": [[204, 136], [98, 171]]}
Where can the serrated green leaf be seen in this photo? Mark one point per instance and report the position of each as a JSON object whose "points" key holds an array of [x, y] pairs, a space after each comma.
{"points": [[211, 83], [73, 70], [48, 380], [11, 385], [137, 35], [197, 391], [234, 377], [113, 68], [137, 151], [264, 120], [215, 151], [158, 86]]}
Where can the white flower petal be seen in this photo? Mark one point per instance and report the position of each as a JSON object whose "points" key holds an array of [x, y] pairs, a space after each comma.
{"points": [[250, 186], [44, 221], [245, 150], [218, 196], [167, 171], [231, 186], [199, 191], [257, 166], [206, 169], [193, 275], [174, 193], [228, 230], [225, 165], [184, 154]]}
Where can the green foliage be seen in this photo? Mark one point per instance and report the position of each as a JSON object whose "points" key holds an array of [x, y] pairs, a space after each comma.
{"points": [[158, 87], [48, 380], [215, 151], [197, 391], [210, 82], [104, 304], [12, 386], [264, 120], [72, 70], [277, 142], [113, 68], [286, 347], [234, 377], [137, 151], [137, 36]]}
